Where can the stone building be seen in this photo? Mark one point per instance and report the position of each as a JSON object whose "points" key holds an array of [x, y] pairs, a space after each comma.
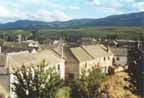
{"points": [[91, 56], [120, 56], [17, 59]]}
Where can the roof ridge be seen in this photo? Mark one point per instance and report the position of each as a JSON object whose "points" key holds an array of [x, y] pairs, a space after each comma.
{"points": [[81, 50], [55, 53], [87, 52]]}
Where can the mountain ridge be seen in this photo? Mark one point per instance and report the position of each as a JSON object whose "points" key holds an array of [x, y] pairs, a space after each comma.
{"points": [[131, 19]]}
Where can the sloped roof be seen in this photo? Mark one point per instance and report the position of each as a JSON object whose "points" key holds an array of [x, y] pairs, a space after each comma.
{"points": [[119, 51], [48, 56], [97, 51], [58, 52], [16, 60], [80, 54]]}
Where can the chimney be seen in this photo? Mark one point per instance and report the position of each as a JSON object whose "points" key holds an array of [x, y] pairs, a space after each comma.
{"points": [[108, 48]]}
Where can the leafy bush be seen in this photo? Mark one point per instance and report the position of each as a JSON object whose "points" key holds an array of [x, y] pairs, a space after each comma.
{"points": [[87, 86], [36, 82], [63, 93]]}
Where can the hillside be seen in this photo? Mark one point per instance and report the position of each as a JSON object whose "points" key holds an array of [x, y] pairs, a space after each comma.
{"points": [[132, 19]]}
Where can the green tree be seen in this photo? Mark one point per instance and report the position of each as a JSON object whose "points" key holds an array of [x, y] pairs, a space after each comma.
{"points": [[88, 85], [36, 82], [2, 41], [63, 93]]}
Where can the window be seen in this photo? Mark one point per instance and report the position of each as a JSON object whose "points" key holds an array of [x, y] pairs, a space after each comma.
{"points": [[118, 58], [71, 76], [113, 60], [58, 66], [104, 58]]}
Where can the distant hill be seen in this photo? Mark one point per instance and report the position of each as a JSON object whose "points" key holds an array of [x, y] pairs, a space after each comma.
{"points": [[132, 19]]}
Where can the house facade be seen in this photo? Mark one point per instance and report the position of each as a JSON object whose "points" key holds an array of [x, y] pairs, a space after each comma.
{"points": [[120, 56], [17, 59], [92, 56]]}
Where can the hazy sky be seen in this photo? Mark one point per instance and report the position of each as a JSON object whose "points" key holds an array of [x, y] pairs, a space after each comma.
{"points": [[62, 10]]}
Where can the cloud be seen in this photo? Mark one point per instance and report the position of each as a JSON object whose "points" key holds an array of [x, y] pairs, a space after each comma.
{"points": [[107, 5], [45, 12], [51, 16], [55, 5], [95, 2], [29, 1], [127, 1], [9, 15], [60, 16], [4, 11], [139, 6], [119, 6], [139, 1], [74, 8], [51, 10]]}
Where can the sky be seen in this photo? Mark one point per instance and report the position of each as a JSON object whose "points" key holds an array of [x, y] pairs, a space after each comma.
{"points": [[63, 10]]}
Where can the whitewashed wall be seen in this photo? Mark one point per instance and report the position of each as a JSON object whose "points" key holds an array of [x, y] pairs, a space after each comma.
{"points": [[62, 69], [123, 60], [98, 62]]}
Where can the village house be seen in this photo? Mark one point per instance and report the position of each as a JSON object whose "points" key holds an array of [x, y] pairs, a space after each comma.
{"points": [[87, 40], [89, 56], [17, 59], [120, 56], [120, 59], [9, 47], [70, 61], [31, 43]]}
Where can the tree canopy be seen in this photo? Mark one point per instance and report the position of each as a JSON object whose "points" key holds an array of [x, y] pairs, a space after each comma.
{"points": [[36, 82]]}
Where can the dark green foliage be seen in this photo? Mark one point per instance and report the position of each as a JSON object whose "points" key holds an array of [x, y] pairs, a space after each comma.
{"points": [[135, 70], [70, 35], [88, 85], [74, 34], [1, 41], [12, 35], [37, 82], [63, 93]]}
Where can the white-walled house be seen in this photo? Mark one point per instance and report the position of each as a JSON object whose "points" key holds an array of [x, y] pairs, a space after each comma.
{"points": [[31, 43], [102, 55], [90, 56], [120, 56], [17, 59]]}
